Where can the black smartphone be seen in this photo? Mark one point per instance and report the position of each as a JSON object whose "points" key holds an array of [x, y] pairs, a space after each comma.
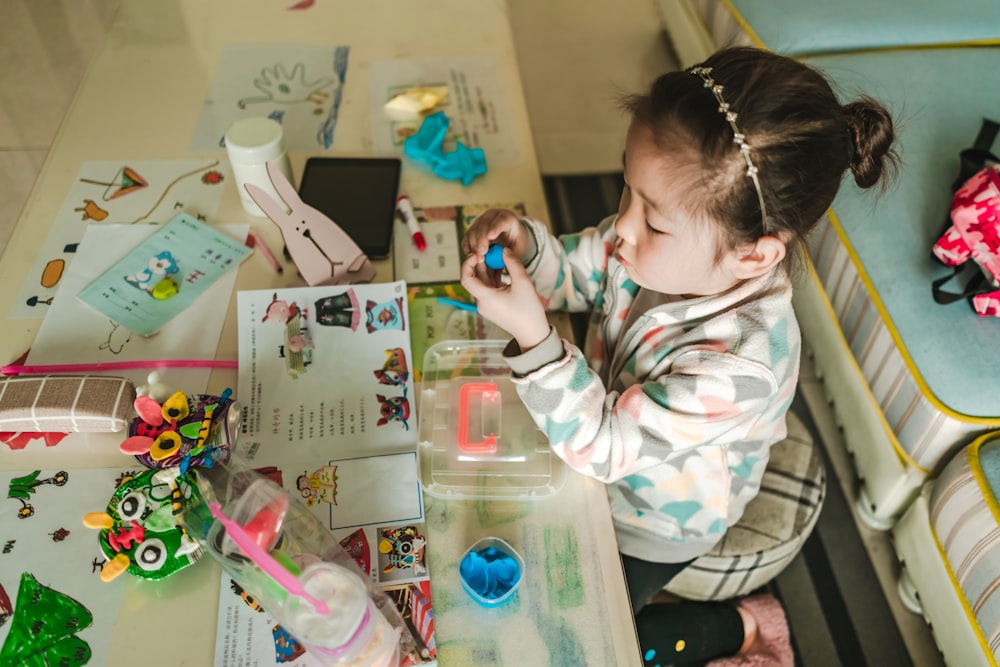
{"points": [[359, 194]]}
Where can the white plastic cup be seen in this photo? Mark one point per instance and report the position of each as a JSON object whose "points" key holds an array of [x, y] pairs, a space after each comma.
{"points": [[250, 144], [352, 633]]}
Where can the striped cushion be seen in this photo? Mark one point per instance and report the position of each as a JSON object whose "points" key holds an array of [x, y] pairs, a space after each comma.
{"points": [[772, 530], [965, 517], [65, 403]]}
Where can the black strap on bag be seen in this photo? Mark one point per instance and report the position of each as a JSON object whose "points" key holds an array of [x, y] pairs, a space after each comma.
{"points": [[972, 160]]}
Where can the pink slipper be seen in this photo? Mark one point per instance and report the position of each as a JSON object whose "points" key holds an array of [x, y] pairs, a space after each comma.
{"points": [[772, 647]]}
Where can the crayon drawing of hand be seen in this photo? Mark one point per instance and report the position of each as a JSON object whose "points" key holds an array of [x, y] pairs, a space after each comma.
{"points": [[280, 87]]}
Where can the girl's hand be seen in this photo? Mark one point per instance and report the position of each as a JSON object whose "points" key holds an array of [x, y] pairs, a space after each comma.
{"points": [[514, 306], [497, 225]]}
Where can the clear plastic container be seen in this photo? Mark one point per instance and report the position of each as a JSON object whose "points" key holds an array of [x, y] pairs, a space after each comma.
{"points": [[274, 547], [475, 437]]}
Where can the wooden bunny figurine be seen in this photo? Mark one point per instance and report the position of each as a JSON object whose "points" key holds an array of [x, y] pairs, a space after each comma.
{"points": [[322, 251]]}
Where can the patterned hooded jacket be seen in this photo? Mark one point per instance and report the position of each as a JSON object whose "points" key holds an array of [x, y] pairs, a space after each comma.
{"points": [[675, 412]]}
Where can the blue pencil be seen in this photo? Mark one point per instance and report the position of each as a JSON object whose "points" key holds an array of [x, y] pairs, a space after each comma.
{"points": [[461, 305]]}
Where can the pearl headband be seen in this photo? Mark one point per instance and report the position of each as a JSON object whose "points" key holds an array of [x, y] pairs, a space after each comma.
{"points": [[738, 137]]}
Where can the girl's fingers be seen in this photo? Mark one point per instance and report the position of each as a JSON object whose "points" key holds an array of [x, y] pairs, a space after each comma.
{"points": [[470, 280]]}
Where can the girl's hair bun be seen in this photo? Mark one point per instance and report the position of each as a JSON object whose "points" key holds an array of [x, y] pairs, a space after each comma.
{"points": [[871, 130]]}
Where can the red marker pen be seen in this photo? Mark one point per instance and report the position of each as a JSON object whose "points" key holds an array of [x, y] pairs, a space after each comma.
{"points": [[404, 206]]}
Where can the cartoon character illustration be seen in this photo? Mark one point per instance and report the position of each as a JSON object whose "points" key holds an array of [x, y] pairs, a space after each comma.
{"points": [[414, 603], [161, 265], [356, 546], [286, 647], [385, 315], [91, 211], [21, 488], [395, 370], [280, 311], [139, 533], [250, 600], [319, 485], [403, 549], [298, 347], [393, 408], [197, 430], [44, 627], [339, 310]]}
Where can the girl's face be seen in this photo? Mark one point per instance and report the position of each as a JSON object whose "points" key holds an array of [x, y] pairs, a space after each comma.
{"points": [[662, 246]]}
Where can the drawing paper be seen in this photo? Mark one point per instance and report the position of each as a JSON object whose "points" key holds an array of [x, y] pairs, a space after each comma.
{"points": [[118, 192]]}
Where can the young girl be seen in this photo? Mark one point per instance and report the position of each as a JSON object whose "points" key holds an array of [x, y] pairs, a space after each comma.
{"points": [[692, 352]]}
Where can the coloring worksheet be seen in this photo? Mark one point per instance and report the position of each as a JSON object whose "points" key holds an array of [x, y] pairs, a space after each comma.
{"points": [[325, 369], [475, 106], [118, 192], [298, 86], [54, 607]]}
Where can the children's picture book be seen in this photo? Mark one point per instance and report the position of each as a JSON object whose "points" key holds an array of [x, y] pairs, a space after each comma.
{"points": [[325, 379], [324, 368], [163, 275], [54, 607]]}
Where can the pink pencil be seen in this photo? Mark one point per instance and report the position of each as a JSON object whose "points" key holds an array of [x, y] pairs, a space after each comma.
{"points": [[254, 240], [116, 366]]}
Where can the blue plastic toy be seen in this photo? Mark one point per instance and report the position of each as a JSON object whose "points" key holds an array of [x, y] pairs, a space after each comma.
{"points": [[494, 257], [462, 164]]}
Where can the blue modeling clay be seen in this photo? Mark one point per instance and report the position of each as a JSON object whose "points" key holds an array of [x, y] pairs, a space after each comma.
{"points": [[425, 145], [462, 164], [494, 257], [489, 573]]}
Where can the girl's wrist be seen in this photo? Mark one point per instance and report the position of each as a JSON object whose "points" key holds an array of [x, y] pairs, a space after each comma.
{"points": [[533, 338]]}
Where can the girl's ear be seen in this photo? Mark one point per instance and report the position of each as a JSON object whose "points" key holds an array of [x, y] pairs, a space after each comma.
{"points": [[758, 259]]}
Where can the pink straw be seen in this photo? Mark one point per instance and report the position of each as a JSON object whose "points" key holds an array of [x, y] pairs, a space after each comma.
{"points": [[116, 366]]}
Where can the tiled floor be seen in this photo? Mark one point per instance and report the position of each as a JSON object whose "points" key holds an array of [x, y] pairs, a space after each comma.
{"points": [[45, 46], [572, 78]]}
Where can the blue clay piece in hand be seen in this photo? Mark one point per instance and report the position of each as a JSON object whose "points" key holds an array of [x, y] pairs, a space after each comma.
{"points": [[494, 257]]}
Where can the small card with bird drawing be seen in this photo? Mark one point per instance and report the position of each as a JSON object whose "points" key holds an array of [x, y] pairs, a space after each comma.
{"points": [[164, 274]]}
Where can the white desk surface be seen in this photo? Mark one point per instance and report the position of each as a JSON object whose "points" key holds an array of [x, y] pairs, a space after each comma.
{"points": [[141, 99]]}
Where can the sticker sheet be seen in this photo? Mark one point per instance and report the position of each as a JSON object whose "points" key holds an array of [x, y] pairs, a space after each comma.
{"points": [[118, 192], [164, 274], [54, 607], [325, 368], [476, 105], [299, 86]]}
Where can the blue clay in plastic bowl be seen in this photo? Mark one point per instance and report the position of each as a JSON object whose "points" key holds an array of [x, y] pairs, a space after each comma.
{"points": [[491, 570]]}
